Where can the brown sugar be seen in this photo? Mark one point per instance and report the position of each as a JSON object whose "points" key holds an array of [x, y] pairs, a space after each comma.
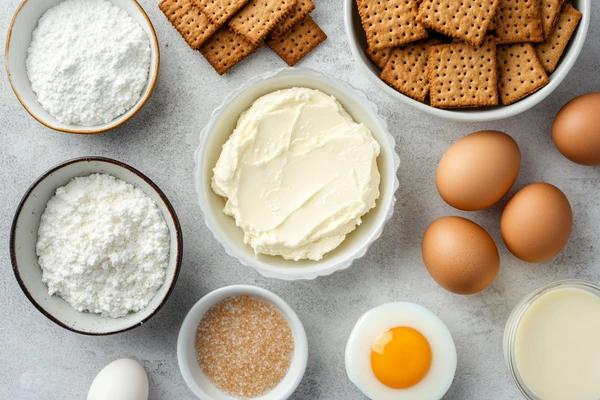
{"points": [[245, 346]]}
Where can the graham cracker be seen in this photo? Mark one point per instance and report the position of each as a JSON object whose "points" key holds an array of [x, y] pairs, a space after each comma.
{"points": [[294, 45], [461, 75], [301, 10], [225, 49], [519, 21], [189, 21], [380, 57], [492, 25], [390, 23], [550, 13], [219, 11], [406, 70], [520, 73], [257, 18], [552, 49], [466, 20]]}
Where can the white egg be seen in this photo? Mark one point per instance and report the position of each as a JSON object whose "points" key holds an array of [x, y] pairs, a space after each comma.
{"points": [[124, 379], [380, 319]]}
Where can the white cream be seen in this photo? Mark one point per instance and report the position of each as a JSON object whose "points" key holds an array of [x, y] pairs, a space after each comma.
{"points": [[298, 174], [557, 346]]}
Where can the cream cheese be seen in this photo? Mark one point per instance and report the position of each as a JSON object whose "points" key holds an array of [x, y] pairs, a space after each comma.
{"points": [[298, 174]]}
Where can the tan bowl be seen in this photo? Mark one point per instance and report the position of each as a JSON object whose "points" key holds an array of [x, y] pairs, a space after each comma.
{"points": [[17, 42]]}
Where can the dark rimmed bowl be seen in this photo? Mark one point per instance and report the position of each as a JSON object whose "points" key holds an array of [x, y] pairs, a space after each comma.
{"points": [[24, 233]]}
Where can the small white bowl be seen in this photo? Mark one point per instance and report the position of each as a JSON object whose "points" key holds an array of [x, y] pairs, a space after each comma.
{"points": [[24, 234], [221, 126], [187, 356], [24, 22], [358, 46]]}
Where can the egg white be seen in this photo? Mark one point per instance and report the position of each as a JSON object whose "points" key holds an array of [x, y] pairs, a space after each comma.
{"points": [[387, 316]]}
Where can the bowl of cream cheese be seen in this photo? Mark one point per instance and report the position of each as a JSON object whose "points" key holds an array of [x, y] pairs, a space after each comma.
{"points": [[296, 174], [82, 66]]}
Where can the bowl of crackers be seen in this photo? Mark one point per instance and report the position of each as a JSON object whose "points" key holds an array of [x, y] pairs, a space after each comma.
{"points": [[468, 60]]}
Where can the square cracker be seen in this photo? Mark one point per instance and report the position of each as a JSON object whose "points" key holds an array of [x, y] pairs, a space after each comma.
{"points": [[466, 20], [380, 57], [552, 49], [390, 23], [189, 21], [301, 10], [520, 73], [257, 18], [406, 70], [225, 49], [219, 11], [461, 75], [550, 13], [298, 41], [519, 21]]}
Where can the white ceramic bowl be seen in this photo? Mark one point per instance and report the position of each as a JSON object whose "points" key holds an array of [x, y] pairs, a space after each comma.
{"points": [[21, 27], [23, 238], [358, 45], [220, 127], [188, 359]]}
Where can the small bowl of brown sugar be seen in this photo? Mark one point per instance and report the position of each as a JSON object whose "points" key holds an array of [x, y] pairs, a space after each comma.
{"points": [[242, 342]]}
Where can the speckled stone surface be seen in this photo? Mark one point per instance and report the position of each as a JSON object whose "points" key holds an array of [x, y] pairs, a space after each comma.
{"points": [[40, 360]]}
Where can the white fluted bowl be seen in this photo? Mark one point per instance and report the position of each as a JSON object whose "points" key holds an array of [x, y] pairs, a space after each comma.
{"points": [[221, 126]]}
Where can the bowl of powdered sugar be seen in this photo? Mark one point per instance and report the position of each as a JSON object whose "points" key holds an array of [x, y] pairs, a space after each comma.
{"points": [[96, 246], [82, 66]]}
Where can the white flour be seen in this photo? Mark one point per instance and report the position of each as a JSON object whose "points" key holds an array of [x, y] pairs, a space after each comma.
{"points": [[103, 246], [88, 61]]}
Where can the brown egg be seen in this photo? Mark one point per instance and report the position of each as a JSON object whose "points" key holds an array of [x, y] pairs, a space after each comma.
{"points": [[460, 255], [537, 222], [478, 170], [576, 129]]}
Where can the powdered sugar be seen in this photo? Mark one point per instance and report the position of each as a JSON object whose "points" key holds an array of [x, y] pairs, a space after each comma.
{"points": [[103, 246], [88, 61]]}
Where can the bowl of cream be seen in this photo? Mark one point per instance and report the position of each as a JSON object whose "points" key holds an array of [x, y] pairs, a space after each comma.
{"points": [[551, 342], [296, 174], [82, 66]]}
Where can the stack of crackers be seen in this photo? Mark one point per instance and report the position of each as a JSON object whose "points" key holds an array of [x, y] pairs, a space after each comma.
{"points": [[467, 53], [227, 31]]}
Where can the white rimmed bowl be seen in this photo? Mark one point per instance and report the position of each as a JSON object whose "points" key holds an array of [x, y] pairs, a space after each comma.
{"points": [[221, 126], [18, 39], [187, 357], [358, 45], [24, 233]]}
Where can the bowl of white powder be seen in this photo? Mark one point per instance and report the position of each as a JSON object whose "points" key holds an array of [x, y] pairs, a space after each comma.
{"points": [[296, 174], [82, 66], [96, 246]]}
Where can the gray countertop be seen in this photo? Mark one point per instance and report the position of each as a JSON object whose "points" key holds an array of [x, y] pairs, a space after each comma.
{"points": [[40, 360]]}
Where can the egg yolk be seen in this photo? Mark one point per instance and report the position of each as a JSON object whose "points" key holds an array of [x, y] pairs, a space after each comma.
{"points": [[401, 357]]}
